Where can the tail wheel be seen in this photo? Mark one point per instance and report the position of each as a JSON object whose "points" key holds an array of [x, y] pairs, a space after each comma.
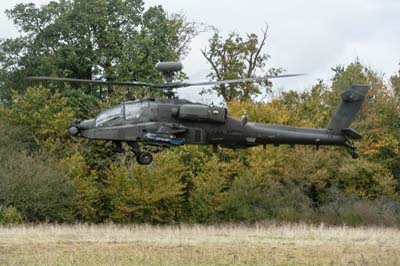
{"points": [[354, 155], [144, 158]]}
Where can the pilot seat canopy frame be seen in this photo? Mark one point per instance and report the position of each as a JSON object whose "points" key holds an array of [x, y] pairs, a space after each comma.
{"points": [[127, 111]]}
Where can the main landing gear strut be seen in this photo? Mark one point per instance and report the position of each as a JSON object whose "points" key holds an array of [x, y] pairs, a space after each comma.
{"points": [[351, 149], [142, 157]]}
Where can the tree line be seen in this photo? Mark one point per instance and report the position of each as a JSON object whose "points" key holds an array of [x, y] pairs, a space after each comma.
{"points": [[45, 175]]}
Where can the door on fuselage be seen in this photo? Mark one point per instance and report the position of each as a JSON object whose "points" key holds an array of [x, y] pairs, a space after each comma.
{"points": [[195, 136]]}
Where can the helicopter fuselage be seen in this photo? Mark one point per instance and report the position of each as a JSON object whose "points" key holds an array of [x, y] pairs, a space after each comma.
{"points": [[179, 122]]}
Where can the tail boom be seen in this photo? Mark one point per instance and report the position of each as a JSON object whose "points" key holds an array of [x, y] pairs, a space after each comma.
{"points": [[337, 132]]}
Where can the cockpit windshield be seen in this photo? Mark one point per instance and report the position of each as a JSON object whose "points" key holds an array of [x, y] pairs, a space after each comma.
{"points": [[108, 115], [134, 110]]}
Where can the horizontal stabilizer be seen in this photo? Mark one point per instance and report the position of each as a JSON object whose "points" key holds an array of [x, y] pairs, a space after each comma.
{"points": [[351, 133]]}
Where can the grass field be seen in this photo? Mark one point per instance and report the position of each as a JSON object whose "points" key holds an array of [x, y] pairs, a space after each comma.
{"points": [[198, 245]]}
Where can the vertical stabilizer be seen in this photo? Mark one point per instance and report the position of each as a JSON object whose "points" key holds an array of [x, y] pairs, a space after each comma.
{"points": [[352, 100]]}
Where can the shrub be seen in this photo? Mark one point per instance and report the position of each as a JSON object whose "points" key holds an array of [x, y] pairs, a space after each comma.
{"points": [[210, 188], [30, 183], [250, 200], [340, 208], [147, 194], [10, 215]]}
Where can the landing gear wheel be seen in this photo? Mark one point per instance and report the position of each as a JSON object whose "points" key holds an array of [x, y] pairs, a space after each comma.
{"points": [[354, 155], [351, 149], [144, 158], [117, 147]]}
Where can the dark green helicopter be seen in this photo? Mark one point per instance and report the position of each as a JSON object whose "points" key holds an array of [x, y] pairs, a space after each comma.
{"points": [[173, 122]]}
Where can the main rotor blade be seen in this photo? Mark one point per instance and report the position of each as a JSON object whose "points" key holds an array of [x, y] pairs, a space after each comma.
{"points": [[90, 81], [232, 81], [168, 86]]}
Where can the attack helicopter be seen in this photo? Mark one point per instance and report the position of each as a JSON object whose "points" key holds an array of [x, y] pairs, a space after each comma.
{"points": [[172, 121]]}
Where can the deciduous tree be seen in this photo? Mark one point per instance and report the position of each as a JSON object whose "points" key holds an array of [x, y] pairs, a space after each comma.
{"points": [[238, 57], [91, 39]]}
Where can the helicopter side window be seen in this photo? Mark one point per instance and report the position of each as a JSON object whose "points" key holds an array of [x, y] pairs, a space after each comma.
{"points": [[108, 115], [134, 110]]}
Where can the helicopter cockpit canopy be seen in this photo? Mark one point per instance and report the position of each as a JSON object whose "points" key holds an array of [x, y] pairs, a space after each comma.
{"points": [[133, 110], [109, 115], [129, 111]]}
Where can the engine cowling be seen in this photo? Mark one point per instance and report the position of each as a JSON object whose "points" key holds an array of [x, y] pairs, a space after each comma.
{"points": [[201, 113]]}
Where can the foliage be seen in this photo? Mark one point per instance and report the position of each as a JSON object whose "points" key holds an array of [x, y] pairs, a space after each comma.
{"points": [[42, 113], [91, 39], [366, 179], [237, 57], [87, 193], [339, 208], [10, 215], [254, 198], [192, 184], [210, 187], [248, 186], [147, 194], [28, 182], [45, 175]]}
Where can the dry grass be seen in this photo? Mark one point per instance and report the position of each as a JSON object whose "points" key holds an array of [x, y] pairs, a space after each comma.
{"points": [[198, 245]]}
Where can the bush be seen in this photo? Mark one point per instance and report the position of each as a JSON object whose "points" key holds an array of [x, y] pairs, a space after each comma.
{"points": [[10, 215], [340, 208], [147, 194], [30, 184], [210, 188], [250, 200]]}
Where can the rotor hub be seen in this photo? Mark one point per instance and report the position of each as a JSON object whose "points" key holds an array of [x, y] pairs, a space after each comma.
{"points": [[168, 69]]}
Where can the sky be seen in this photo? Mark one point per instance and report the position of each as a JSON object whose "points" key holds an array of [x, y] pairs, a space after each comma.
{"points": [[305, 36]]}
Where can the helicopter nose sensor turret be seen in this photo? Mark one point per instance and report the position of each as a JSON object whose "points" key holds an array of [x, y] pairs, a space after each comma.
{"points": [[73, 131], [77, 126]]}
